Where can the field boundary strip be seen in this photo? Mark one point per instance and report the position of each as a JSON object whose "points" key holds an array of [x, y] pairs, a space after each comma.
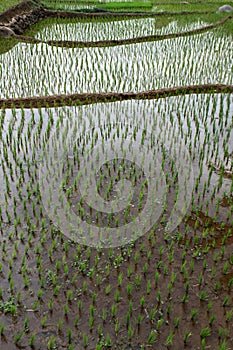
{"points": [[91, 98], [84, 14]]}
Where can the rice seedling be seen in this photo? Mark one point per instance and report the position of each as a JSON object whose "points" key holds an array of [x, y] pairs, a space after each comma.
{"points": [[226, 300], [2, 328], [205, 332], [194, 313], [32, 340], [169, 339], [203, 295], [51, 343], [43, 321], [18, 338]]}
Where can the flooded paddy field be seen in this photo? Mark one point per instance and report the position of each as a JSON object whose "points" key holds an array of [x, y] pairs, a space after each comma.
{"points": [[116, 218], [136, 67]]}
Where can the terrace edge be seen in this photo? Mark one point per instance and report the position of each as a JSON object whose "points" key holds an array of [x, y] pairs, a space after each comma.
{"points": [[22, 16]]}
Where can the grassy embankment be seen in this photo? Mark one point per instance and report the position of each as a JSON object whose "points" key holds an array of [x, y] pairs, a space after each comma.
{"points": [[4, 4]]}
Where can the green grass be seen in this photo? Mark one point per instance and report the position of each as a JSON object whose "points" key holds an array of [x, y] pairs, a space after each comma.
{"points": [[126, 5], [7, 45], [5, 4]]}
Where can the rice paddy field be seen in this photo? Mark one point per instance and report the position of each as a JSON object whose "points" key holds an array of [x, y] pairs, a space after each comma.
{"points": [[116, 179]]}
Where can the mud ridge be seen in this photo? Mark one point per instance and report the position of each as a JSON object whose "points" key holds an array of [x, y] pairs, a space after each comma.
{"points": [[91, 98], [87, 14]]}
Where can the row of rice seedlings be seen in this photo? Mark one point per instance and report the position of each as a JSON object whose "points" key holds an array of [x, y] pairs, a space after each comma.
{"points": [[42, 70], [114, 30]]}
